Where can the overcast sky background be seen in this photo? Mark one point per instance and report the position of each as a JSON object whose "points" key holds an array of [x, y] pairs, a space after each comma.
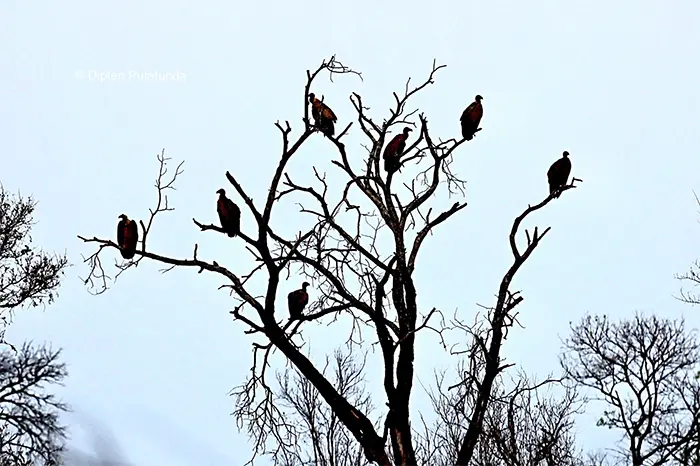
{"points": [[152, 360]]}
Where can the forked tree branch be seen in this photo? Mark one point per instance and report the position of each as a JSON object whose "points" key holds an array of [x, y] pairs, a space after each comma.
{"points": [[505, 303]]}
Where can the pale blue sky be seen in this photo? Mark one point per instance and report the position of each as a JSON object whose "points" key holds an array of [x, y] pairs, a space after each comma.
{"points": [[152, 360]]}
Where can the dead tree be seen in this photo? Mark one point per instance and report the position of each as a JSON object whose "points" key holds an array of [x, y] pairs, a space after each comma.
{"points": [[529, 425], [29, 427], [360, 254], [526, 423], [644, 368]]}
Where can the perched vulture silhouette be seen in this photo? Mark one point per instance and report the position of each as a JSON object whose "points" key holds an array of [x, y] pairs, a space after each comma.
{"points": [[394, 151], [324, 118], [471, 117], [229, 214], [127, 236], [558, 173], [297, 301]]}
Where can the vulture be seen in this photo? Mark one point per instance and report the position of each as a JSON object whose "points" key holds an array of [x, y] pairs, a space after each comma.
{"points": [[558, 173], [471, 118], [297, 301], [324, 118], [229, 214], [394, 151], [127, 236]]}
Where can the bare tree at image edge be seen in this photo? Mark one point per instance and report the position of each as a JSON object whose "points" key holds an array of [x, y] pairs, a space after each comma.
{"points": [[29, 426], [643, 368], [30, 431], [341, 256], [692, 276], [28, 276]]}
